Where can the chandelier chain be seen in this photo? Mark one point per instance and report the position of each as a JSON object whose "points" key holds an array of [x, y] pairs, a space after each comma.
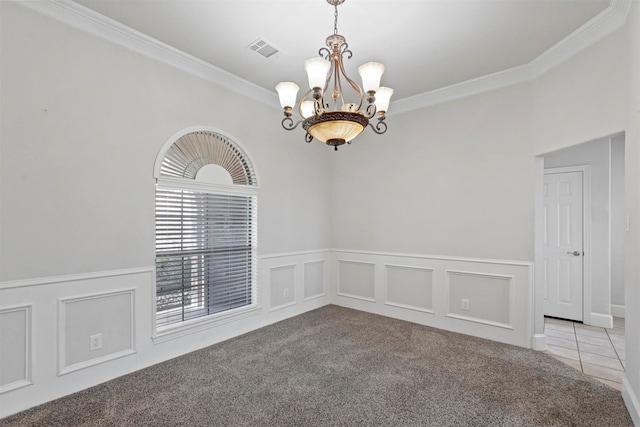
{"points": [[335, 19]]}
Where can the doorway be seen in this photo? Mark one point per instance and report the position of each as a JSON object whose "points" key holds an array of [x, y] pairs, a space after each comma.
{"points": [[602, 164], [564, 206]]}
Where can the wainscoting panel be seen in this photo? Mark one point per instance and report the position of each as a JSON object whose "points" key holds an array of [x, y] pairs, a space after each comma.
{"points": [[282, 281], [430, 290], [46, 325], [356, 279], [15, 348], [293, 283], [488, 297], [314, 279], [94, 329], [63, 334], [410, 287]]}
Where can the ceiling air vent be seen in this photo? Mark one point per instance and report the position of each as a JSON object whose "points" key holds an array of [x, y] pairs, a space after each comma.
{"points": [[263, 47]]}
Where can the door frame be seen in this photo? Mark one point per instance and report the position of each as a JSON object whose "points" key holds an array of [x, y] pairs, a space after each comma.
{"points": [[539, 340]]}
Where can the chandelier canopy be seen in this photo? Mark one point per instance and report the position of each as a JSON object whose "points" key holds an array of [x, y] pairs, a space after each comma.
{"points": [[325, 113]]}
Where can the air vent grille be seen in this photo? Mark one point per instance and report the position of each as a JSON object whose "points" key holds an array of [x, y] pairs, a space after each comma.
{"points": [[263, 47]]}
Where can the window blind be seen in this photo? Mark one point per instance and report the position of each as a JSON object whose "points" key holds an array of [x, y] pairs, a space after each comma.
{"points": [[205, 253]]}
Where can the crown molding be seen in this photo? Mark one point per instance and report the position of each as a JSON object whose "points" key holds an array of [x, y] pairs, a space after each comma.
{"points": [[600, 26], [83, 18], [475, 86]]}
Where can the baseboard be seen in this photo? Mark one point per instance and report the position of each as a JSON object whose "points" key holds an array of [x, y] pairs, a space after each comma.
{"points": [[539, 342], [601, 320], [632, 402], [617, 310]]}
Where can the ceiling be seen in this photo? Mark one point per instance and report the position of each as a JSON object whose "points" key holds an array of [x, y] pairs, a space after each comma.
{"points": [[425, 44]]}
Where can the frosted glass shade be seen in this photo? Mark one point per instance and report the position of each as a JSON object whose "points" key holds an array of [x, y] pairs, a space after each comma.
{"points": [[336, 129], [287, 92], [371, 74], [383, 96], [307, 109], [317, 69]]}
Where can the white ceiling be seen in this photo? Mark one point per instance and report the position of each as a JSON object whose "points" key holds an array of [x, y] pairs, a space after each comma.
{"points": [[425, 45]]}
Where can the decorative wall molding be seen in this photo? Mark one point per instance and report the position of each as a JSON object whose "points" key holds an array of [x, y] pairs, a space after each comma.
{"points": [[509, 77], [436, 257], [600, 26], [514, 280], [340, 269], [28, 360], [74, 277], [480, 276], [323, 291], [63, 303], [408, 306], [290, 298], [292, 254], [51, 379], [308, 290], [83, 18]]}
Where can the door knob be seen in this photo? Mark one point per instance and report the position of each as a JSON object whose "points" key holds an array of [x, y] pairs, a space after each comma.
{"points": [[574, 253]]}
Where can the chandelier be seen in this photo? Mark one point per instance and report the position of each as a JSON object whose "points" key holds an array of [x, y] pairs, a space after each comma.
{"points": [[325, 113]]}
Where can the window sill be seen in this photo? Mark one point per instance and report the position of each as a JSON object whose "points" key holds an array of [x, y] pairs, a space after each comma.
{"points": [[201, 324]]}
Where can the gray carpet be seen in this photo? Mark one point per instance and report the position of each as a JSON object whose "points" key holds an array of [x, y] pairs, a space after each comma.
{"points": [[340, 367]]}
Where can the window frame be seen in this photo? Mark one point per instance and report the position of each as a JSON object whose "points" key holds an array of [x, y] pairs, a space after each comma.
{"points": [[185, 327]]}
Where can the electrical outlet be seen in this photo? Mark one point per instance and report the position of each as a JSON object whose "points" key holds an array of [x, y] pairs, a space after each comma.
{"points": [[286, 292], [465, 304], [95, 342]]}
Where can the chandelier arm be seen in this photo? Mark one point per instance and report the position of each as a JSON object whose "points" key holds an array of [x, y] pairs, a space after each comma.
{"points": [[302, 99], [325, 53], [380, 127], [337, 86], [353, 84], [371, 110], [318, 106], [289, 124], [344, 49]]}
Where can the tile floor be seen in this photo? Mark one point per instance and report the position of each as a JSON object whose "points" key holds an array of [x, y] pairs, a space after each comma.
{"points": [[598, 352]]}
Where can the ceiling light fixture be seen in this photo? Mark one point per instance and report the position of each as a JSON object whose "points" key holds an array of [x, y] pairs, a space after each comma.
{"points": [[327, 116]]}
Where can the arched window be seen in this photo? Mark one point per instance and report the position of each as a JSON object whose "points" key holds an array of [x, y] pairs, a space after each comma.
{"points": [[206, 217]]}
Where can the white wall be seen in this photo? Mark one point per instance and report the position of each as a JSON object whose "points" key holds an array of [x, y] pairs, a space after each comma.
{"points": [[618, 227], [583, 98], [83, 120], [453, 179], [631, 386]]}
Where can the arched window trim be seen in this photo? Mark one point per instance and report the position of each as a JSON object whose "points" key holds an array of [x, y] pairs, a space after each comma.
{"points": [[176, 136], [191, 184]]}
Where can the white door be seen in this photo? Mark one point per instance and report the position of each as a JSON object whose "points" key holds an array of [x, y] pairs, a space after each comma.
{"points": [[563, 251]]}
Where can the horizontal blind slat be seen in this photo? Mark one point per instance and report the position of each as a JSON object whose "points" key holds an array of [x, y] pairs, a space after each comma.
{"points": [[205, 253]]}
